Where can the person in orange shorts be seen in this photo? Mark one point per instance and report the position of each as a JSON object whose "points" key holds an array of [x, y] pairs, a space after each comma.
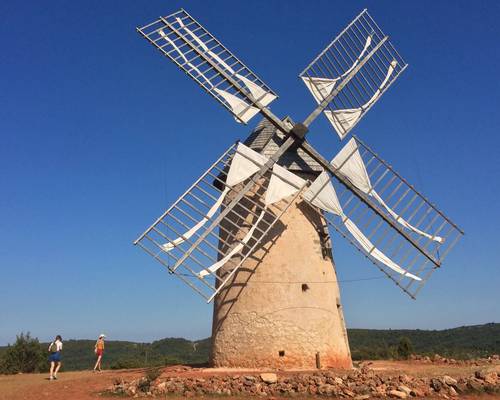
{"points": [[99, 351]]}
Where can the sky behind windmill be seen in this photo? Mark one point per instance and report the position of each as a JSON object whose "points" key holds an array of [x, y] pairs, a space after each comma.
{"points": [[99, 134]]}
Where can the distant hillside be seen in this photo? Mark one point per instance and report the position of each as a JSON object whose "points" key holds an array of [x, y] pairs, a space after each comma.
{"points": [[463, 342]]}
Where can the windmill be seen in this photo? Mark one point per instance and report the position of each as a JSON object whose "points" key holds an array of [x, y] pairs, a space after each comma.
{"points": [[252, 233]]}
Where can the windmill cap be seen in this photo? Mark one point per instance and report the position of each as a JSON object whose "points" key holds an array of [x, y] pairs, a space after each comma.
{"points": [[102, 335]]}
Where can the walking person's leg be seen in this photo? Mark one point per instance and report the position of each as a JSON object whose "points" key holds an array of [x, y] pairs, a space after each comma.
{"points": [[57, 369], [52, 364], [98, 363]]}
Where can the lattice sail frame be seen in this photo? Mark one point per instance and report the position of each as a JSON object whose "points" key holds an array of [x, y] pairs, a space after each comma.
{"points": [[423, 254], [246, 226], [351, 75], [209, 63], [369, 83]]}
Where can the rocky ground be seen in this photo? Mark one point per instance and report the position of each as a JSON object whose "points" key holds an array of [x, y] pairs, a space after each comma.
{"points": [[446, 379], [437, 359], [436, 377]]}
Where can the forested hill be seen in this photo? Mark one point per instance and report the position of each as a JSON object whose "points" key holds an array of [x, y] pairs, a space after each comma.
{"points": [[463, 342]]}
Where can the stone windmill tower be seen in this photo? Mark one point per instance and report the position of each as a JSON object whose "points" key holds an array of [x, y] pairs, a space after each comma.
{"points": [[252, 232], [282, 308]]}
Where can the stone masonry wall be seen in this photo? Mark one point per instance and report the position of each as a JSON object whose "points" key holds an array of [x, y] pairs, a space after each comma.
{"points": [[283, 305]]}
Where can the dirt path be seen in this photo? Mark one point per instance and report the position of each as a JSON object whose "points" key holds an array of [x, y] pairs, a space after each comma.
{"points": [[419, 369], [82, 385], [85, 385]]}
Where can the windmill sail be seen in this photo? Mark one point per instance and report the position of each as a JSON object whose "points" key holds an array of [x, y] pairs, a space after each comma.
{"points": [[350, 164], [215, 267], [344, 120], [404, 250], [283, 183], [241, 109], [364, 62], [322, 194], [320, 88], [192, 48], [206, 267], [176, 242], [244, 164]]}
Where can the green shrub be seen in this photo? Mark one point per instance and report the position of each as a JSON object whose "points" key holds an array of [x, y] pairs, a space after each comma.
{"points": [[405, 348], [153, 373], [25, 355], [126, 364]]}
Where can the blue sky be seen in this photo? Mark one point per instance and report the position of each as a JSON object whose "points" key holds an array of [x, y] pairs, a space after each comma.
{"points": [[99, 134]]}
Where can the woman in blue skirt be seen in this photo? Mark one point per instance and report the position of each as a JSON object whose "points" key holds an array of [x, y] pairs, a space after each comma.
{"points": [[55, 349]]}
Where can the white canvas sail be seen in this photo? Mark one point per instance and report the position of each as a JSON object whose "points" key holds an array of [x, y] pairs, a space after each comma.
{"points": [[370, 248], [322, 194], [320, 87], [350, 164], [205, 48], [344, 120], [244, 164], [257, 92], [282, 184], [214, 267], [193, 67], [243, 111], [188, 234]]}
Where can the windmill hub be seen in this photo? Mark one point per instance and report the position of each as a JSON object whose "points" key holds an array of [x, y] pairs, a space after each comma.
{"points": [[300, 130]]}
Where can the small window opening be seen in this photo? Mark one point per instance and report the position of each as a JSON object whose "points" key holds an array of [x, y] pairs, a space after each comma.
{"points": [[305, 287], [281, 353]]}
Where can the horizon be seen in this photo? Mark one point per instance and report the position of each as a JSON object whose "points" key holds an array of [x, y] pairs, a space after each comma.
{"points": [[100, 133], [208, 337]]}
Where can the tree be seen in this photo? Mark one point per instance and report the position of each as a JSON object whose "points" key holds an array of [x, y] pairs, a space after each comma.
{"points": [[26, 355], [405, 348]]}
